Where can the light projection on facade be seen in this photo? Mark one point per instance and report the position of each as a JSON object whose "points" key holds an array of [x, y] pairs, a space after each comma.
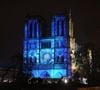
{"points": [[46, 57]]}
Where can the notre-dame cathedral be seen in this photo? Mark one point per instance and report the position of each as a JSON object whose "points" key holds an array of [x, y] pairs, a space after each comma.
{"points": [[48, 56]]}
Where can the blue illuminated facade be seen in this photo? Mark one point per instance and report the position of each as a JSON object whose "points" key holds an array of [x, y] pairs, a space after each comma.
{"points": [[46, 57]]}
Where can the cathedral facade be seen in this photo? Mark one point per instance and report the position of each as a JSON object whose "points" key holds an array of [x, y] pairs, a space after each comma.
{"points": [[47, 57]]}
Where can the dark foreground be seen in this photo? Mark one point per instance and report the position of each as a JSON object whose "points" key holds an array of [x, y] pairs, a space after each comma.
{"points": [[13, 86], [7, 86]]}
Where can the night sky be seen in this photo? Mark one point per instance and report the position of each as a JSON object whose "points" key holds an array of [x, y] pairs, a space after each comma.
{"points": [[86, 18]]}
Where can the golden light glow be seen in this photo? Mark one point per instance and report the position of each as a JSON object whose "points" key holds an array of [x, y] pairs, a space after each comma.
{"points": [[74, 67], [72, 43], [90, 55]]}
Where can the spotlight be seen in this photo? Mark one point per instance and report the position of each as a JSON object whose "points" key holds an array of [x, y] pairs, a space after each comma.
{"points": [[84, 81], [65, 80]]}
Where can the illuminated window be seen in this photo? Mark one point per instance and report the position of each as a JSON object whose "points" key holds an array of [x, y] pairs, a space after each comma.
{"points": [[58, 28], [56, 44], [62, 59], [30, 34], [62, 30], [57, 59], [35, 30]]}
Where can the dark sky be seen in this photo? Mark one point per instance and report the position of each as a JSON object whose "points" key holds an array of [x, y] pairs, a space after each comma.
{"points": [[86, 17]]}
